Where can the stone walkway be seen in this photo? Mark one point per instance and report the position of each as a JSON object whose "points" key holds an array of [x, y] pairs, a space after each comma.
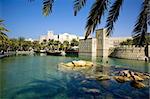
{"points": [[7, 54]]}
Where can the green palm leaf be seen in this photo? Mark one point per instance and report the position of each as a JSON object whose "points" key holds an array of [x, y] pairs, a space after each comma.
{"points": [[47, 7], [78, 4], [1, 21], [2, 29], [113, 16], [3, 36], [140, 28], [97, 11]]}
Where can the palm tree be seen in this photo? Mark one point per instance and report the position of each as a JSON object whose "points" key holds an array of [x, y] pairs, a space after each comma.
{"points": [[51, 44], [98, 9], [21, 41], [66, 45], [74, 42], [57, 44], [3, 36], [14, 44]]}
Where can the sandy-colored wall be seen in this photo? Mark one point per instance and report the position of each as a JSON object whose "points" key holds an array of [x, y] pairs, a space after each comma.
{"points": [[128, 53], [87, 47]]}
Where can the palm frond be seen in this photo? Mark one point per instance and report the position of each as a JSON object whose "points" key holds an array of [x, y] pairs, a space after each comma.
{"points": [[148, 16], [78, 4], [96, 12], [3, 36], [2, 29], [140, 28], [113, 16], [47, 7], [1, 20]]}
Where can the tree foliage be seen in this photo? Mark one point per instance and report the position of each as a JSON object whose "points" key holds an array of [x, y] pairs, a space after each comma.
{"points": [[3, 31], [74, 42]]}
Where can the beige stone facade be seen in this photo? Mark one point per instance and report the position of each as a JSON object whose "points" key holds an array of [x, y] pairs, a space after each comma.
{"points": [[88, 47], [129, 52], [102, 46], [99, 45]]}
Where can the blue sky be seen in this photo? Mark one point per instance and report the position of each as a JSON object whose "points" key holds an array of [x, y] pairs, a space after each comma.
{"points": [[25, 19]]}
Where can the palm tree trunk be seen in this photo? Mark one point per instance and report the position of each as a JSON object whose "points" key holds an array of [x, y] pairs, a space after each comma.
{"points": [[146, 50]]}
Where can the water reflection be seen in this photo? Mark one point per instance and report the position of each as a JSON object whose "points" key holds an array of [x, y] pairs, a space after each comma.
{"points": [[137, 65], [76, 86], [35, 77]]}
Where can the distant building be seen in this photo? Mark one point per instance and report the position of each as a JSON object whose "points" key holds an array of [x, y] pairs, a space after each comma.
{"points": [[29, 39], [60, 37]]}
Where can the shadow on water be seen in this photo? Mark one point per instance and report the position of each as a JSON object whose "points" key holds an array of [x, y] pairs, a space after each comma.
{"points": [[75, 86]]}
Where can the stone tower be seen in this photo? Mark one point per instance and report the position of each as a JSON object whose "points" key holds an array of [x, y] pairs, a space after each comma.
{"points": [[102, 43]]}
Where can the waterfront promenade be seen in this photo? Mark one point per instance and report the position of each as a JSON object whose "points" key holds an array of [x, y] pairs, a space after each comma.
{"points": [[15, 53], [7, 54]]}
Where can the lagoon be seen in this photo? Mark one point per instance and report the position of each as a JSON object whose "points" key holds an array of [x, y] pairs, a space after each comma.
{"points": [[37, 77]]}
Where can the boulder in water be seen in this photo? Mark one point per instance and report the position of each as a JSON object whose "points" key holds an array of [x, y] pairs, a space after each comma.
{"points": [[104, 77], [75, 65], [143, 75], [137, 78], [82, 63], [137, 84], [69, 64], [121, 79], [124, 73]]}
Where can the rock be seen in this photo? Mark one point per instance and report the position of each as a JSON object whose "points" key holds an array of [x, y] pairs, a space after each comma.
{"points": [[124, 73], [133, 75], [91, 91], [137, 84], [79, 63], [137, 78], [121, 79], [75, 65], [69, 64], [89, 63], [143, 75], [103, 78], [82, 63], [64, 67]]}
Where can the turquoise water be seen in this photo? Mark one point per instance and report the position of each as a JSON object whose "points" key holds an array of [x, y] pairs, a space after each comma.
{"points": [[37, 77]]}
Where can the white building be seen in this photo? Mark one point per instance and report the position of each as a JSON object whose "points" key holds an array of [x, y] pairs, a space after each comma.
{"points": [[29, 39], [60, 37], [67, 37]]}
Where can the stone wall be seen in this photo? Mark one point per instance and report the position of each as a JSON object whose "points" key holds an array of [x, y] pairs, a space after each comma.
{"points": [[87, 47], [103, 46], [102, 43], [127, 52]]}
